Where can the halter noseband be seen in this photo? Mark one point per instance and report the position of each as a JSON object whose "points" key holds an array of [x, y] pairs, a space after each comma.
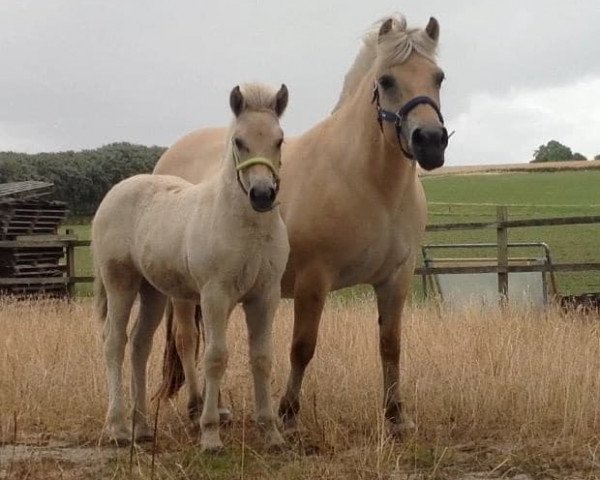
{"points": [[240, 166], [397, 118]]}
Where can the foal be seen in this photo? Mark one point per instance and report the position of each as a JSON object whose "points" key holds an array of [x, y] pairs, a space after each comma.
{"points": [[216, 243]]}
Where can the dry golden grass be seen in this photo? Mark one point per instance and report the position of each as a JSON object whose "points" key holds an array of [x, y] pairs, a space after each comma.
{"points": [[502, 393]]}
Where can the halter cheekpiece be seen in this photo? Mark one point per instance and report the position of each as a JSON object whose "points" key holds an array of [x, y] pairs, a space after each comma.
{"points": [[397, 118]]}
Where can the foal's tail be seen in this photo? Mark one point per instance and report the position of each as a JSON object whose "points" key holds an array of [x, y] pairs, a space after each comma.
{"points": [[100, 303], [173, 375]]}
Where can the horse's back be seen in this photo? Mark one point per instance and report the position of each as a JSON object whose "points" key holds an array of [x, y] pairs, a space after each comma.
{"points": [[127, 205], [194, 157]]}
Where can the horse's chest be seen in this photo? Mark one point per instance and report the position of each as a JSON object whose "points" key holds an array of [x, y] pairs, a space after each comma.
{"points": [[376, 259]]}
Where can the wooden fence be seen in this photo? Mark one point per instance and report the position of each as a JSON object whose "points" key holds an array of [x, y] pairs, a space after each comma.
{"points": [[502, 225]]}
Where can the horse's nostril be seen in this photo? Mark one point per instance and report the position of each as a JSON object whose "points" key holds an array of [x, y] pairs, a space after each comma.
{"points": [[418, 137], [430, 136], [444, 141]]}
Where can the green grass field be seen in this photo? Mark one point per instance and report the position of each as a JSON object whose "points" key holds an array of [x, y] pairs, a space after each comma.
{"points": [[469, 198]]}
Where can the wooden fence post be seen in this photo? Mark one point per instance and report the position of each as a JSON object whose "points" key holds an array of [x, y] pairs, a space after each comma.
{"points": [[70, 266], [502, 241]]}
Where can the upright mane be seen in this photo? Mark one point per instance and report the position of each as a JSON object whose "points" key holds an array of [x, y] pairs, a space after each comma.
{"points": [[396, 46]]}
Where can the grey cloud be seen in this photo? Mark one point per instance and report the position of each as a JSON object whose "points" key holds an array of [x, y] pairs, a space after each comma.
{"points": [[82, 73]]}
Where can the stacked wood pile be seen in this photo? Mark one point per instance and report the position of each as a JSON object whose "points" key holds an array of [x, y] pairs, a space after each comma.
{"points": [[30, 250]]}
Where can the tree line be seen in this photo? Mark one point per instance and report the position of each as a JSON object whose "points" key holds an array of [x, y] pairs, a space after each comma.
{"points": [[82, 178], [555, 151]]}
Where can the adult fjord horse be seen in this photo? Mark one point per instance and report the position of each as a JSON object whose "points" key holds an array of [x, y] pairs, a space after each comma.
{"points": [[350, 196]]}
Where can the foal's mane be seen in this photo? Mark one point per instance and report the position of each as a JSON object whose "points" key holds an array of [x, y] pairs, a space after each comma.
{"points": [[258, 97], [395, 47]]}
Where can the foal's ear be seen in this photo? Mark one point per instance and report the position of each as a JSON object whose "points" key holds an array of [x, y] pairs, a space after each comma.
{"points": [[236, 101], [281, 100], [385, 27], [433, 29]]}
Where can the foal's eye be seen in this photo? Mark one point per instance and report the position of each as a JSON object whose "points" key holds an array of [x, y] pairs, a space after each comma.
{"points": [[387, 81], [239, 143]]}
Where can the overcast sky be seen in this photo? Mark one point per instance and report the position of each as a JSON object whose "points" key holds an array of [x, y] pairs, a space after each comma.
{"points": [[81, 73]]}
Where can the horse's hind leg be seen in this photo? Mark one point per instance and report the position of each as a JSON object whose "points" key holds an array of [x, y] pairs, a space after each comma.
{"points": [[259, 318], [121, 290], [310, 292], [391, 295], [152, 305], [186, 342]]}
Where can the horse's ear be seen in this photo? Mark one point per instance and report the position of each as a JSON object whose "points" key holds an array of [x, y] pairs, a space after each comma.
{"points": [[281, 100], [433, 29], [236, 101], [385, 27]]}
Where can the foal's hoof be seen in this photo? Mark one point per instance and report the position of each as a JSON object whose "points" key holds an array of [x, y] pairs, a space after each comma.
{"points": [[120, 437], [143, 434], [278, 448], [144, 438], [225, 416], [120, 442], [214, 450]]}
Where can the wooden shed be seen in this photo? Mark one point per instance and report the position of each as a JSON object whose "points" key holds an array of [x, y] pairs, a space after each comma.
{"points": [[31, 255]]}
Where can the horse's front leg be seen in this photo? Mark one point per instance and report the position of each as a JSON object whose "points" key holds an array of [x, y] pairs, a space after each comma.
{"points": [[186, 342], [310, 292], [391, 295], [216, 308], [260, 312]]}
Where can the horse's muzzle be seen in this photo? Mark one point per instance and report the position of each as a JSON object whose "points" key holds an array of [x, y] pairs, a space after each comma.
{"points": [[428, 145], [262, 197]]}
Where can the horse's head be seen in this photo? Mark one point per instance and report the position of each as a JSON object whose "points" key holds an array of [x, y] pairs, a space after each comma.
{"points": [[407, 90], [256, 141]]}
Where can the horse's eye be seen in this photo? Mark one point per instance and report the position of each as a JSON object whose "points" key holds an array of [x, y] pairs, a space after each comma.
{"points": [[239, 143], [439, 78], [387, 81], [279, 143]]}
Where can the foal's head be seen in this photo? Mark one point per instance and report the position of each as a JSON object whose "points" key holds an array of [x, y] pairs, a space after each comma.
{"points": [[256, 141], [407, 89]]}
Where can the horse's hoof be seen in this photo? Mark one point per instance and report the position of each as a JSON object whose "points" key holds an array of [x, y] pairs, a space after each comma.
{"points": [[401, 430], [225, 416]]}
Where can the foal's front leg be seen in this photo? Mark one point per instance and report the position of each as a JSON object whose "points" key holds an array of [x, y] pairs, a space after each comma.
{"points": [[216, 308], [259, 318]]}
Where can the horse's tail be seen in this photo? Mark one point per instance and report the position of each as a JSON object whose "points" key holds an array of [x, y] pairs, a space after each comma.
{"points": [[173, 376], [100, 302]]}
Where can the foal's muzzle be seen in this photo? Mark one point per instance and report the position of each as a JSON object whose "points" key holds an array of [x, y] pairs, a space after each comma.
{"points": [[262, 197], [428, 145]]}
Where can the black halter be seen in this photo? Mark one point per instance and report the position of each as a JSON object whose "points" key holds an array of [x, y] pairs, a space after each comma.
{"points": [[398, 117]]}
